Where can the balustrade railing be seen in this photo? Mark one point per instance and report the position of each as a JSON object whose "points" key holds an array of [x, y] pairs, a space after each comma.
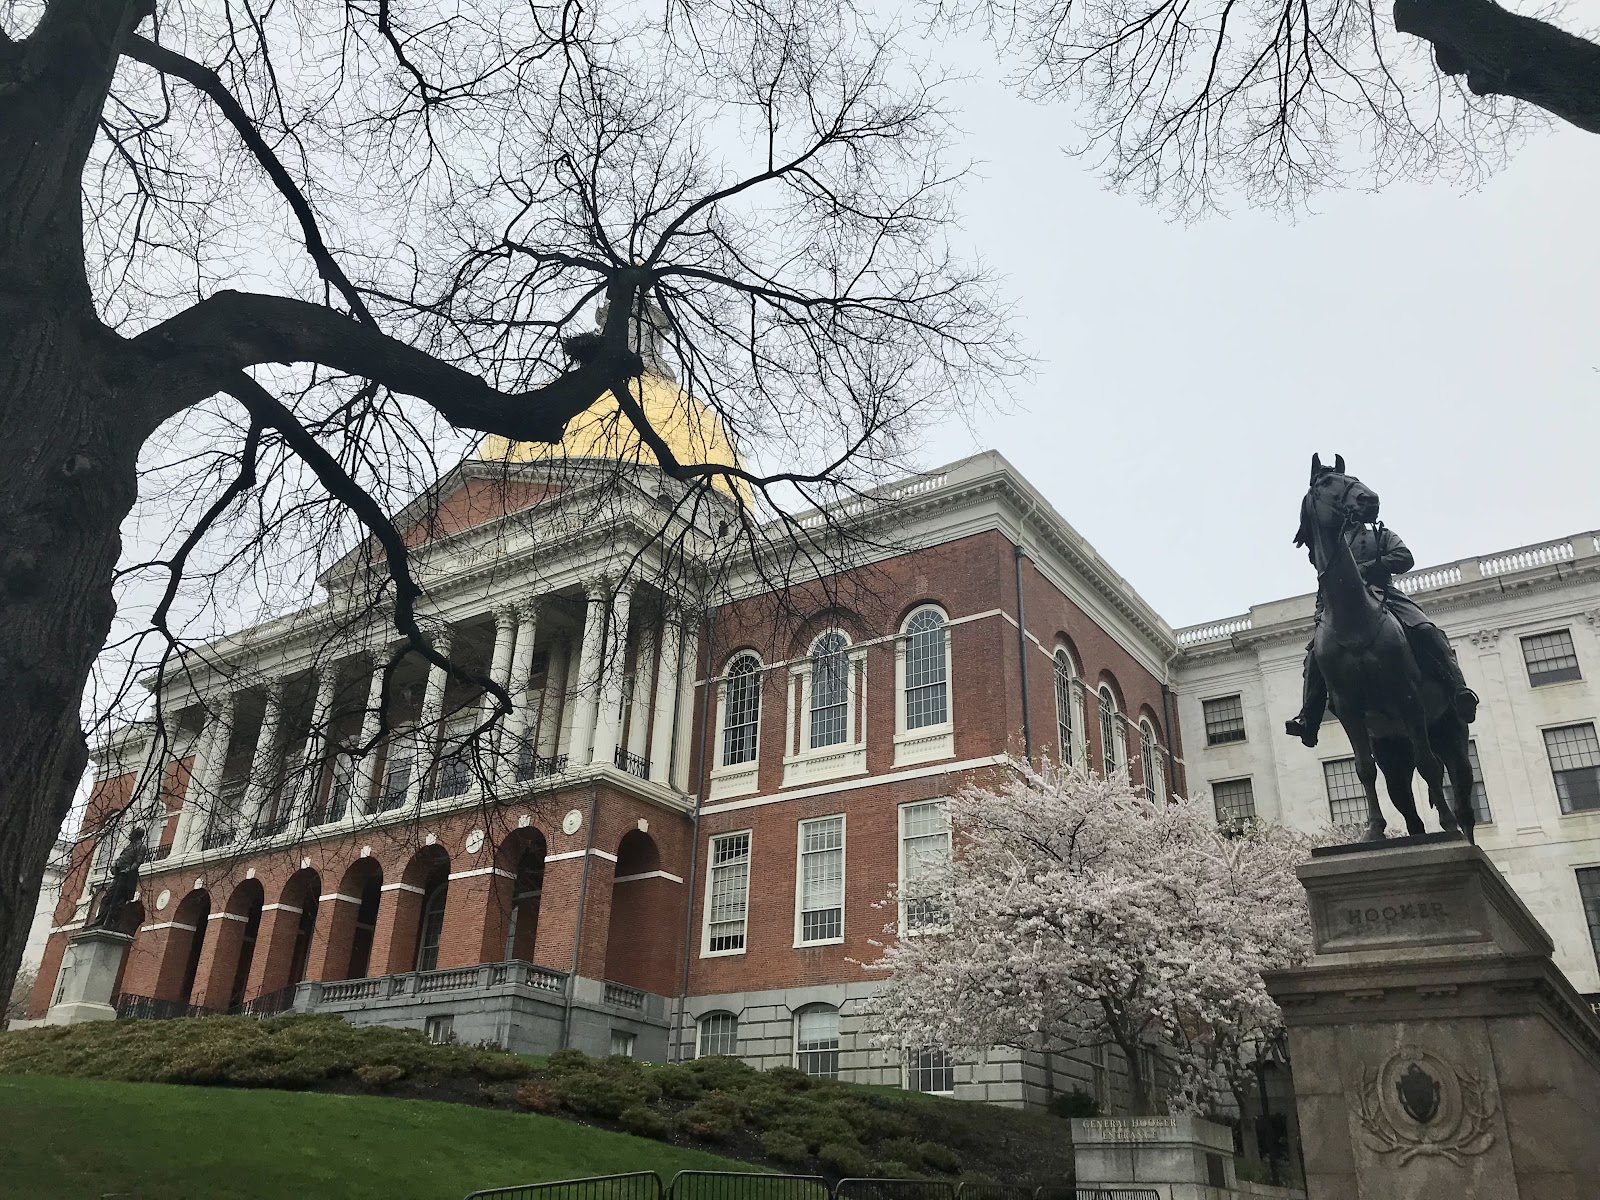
{"points": [[633, 764], [623, 996]]}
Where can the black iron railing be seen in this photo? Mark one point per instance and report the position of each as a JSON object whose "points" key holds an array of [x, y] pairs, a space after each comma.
{"points": [[148, 1008], [269, 1004], [735, 1185], [633, 764], [729, 1185], [540, 766], [639, 1185]]}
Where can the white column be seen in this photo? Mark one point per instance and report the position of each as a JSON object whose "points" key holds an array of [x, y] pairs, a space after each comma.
{"points": [[205, 776], [317, 739], [586, 701], [264, 760], [514, 678], [665, 701], [688, 668], [366, 773], [644, 679], [608, 720], [553, 709], [428, 721]]}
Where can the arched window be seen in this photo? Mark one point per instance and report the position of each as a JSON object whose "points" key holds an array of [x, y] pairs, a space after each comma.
{"points": [[719, 1034], [1150, 761], [1066, 706], [830, 690], [741, 699], [927, 677], [816, 1041], [1110, 735], [432, 926]]}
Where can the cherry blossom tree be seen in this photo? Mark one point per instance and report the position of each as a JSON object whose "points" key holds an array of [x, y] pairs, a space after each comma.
{"points": [[1080, 914]]}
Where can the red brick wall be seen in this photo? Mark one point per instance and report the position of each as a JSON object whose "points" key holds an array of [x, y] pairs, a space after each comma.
{"points": [[473, 503]]}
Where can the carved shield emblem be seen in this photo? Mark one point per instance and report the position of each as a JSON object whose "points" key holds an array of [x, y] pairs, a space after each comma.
{"points": [[1417, 1105]]}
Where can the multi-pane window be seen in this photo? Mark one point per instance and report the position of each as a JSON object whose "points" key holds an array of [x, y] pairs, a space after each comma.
{"points": [[1551, 658], [455, 762], [742, 710], [1589, 892], [432, 927], [342, 777], [924, 859], [729, 900], [1575, 762], [816, 1041], [1347, 799], [397, 772], [622, 1043], [1150, 761], [1109, 735], [1066, 704], [1235, 800], [1224, 720], [1480, 797], [822, 879], [927, 673], [931, 1070], [830, 690], [719, 1034]]}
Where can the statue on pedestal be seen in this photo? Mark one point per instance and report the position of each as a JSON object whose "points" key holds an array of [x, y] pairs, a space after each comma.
{"points": [[1387, 672], [124, 883]]}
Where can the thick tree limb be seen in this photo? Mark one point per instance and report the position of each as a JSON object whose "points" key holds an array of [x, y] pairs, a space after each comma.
{"points": [[206, 345], [206, 80], [1505, 54]]}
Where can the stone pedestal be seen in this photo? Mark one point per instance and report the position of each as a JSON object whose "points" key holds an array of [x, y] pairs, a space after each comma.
{"points": [[88, 977], [1179, 1158], [1438, 1052]]}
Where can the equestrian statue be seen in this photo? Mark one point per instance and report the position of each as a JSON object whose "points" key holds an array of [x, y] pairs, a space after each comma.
{"points": [[1385, 670]]}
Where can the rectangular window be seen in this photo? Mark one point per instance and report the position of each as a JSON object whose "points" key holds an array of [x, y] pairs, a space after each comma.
{"points": [[1224, 720], [822, 880], [1235, 800], [455, 762], [816, 1042], [931, 1070], [728, 899], [1551, 658], [1347, 801], [924, 858], [1589, 893], [1480, 797], [441, 1029], [622, 1043], [1575, 762]]}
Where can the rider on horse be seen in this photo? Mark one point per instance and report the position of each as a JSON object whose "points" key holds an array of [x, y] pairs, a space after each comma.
{"points": [[1381, 555]]}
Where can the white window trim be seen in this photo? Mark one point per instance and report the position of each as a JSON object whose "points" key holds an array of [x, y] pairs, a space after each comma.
{"points": [[699, 1033], [1119, 724], [930, 742], [1155, 789], [838, 1038], [738, 779], [1522, 655], [1074, 713], [1240, 741], [802, 763], [900, 855], [705, 904], [799, 881], [910, 1071]]}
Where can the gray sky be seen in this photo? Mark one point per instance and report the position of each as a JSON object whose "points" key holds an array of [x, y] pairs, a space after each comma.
{"points": [[1445, 343]]}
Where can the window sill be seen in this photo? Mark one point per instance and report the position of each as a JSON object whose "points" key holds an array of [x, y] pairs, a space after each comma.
{"points": [[742, 779], [722, 953], [838, 941], [924, 745], [829, 763]]}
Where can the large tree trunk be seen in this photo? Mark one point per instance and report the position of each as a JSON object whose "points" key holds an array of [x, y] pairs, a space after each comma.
{"points": [[70, 433]]}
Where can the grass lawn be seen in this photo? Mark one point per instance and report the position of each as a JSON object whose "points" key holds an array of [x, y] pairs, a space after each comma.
{"points": [[86, 1139]]}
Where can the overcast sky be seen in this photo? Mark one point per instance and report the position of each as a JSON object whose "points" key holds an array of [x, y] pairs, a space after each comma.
{"points": [[1446, 343]]}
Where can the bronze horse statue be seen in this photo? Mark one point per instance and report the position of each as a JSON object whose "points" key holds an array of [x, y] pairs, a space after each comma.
{"points": [[1397, 718]]}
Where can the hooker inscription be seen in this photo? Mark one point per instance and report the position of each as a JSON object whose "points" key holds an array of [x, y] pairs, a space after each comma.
{"points": [[1350, 922], [1417, 1105]]}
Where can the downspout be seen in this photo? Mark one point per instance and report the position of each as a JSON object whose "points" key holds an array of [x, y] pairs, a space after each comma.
{"points": [[577, 937], [694, 842], [1022, 653], [1172, 733]]}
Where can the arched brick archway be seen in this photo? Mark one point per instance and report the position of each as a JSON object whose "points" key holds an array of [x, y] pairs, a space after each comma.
{"points": [[341, 943], [512, 899], [283, 946], [186, 938], [639, 943], [224, 964], [411, 923]]}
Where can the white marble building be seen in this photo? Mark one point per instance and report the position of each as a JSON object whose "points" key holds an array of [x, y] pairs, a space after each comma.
{"points": [[1526, 626]]}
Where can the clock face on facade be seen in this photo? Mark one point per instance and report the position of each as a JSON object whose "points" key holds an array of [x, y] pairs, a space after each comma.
{"points": [[572, 822]]}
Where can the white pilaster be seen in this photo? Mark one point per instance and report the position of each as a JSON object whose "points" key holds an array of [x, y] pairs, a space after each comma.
{"points": [[608, 720], [264, 760], [585, 702], [666, 705], [644, 681], [689, 666], [518, 668]]}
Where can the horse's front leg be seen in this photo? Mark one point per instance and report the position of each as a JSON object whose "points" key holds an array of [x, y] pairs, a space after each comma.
{"points": [[1428, 764], [1355, 728]]}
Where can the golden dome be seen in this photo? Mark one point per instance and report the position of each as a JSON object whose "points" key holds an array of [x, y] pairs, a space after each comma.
{"points": [[693, 431]]}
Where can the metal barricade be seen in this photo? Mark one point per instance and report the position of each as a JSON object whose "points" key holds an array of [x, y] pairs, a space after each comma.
{"points": [[1117, 1194], [893, 1189], [994, 1191], [636, 1185], [745, 1185]]}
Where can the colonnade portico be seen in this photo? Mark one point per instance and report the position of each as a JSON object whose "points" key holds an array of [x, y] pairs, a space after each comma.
{"points": [[312, 769]]}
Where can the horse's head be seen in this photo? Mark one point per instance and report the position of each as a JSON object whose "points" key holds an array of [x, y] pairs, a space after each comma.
{"points": [[1334, 499]]}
